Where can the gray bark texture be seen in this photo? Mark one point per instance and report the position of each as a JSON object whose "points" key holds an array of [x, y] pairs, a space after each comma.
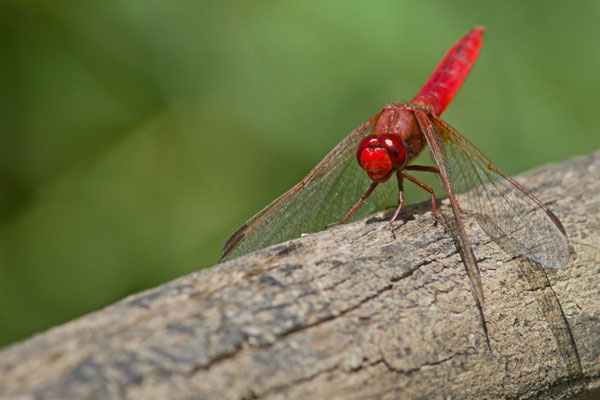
{"points": [[347, 313]]}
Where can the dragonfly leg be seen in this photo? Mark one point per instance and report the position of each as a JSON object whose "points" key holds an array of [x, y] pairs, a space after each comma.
{"points": [[366, 194], [426, 187], [400, 178], [425, 168], [435, 170]]}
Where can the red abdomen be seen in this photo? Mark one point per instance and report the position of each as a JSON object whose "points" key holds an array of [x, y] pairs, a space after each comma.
{"points": [[450, 73]]}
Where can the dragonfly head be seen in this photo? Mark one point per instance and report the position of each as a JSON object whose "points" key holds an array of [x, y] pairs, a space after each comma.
{"points": [[381, 155]]}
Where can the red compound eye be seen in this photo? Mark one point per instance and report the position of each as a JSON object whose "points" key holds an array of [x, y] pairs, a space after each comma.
{"points": [[395, 148], [381, 155]]}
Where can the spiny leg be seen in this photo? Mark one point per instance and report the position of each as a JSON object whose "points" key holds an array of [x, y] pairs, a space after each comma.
{"points": [[435, 170], [400, 201], [366, 194], [424, 168], [424, 186]]}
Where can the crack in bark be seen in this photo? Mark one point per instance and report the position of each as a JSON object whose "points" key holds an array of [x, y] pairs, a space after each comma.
{"points": [[292, 383], [300, 328], [420, 367]]}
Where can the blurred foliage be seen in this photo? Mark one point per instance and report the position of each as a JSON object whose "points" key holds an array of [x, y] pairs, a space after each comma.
{"points": [[135, 136]]}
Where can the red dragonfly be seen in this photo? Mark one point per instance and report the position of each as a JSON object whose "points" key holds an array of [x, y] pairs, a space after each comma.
{"points": [[384, 146]]}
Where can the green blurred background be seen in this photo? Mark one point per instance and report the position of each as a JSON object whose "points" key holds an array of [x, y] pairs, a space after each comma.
{"points": [[135, 136]]}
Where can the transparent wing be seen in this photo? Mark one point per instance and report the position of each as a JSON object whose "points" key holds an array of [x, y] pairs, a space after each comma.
{"points": [[454, 220], [504, 209], [322, 197]]}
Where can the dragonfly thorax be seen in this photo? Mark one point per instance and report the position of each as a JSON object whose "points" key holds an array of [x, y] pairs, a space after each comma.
{"points": [[398, 119]]}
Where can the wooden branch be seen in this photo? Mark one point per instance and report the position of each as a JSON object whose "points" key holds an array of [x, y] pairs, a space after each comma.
{"points": [[346, 313]]}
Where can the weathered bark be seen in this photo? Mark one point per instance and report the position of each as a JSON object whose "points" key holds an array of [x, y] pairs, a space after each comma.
{"points": [[346, 313]]}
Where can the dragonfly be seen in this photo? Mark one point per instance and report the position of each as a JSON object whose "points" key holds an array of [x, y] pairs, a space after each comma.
{"points": [[339, 189]]}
